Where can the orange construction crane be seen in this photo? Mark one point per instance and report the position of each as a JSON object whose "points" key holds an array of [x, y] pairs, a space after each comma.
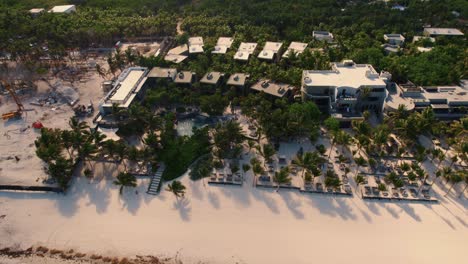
{"points": [[19, 110]]}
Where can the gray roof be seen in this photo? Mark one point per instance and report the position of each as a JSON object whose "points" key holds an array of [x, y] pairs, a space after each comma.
{"points": [[158, 72], [443, 31], [175, 58], [181, 49], [184, 77], [212, 77], [237, 79], [272, 88]]}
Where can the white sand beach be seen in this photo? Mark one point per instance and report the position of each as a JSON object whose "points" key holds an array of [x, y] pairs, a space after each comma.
{"points": [[218, 224]]}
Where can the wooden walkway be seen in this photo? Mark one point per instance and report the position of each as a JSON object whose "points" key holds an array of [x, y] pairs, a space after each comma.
{"points": [[156, 179]]}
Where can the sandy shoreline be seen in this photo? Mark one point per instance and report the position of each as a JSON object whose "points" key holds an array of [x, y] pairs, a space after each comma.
{"points": [[51, 256]]}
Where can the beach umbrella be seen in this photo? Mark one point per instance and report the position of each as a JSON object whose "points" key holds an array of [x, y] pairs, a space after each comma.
{"points": [[37, 125]]}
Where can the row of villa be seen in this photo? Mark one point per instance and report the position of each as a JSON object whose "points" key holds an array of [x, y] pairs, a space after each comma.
{"points": [[345, 91], [270, 51]]}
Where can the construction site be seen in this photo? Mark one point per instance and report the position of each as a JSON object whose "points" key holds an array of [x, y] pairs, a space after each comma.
{"points": [[30, 101]]}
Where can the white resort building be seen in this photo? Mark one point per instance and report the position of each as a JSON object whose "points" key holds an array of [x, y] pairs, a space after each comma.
{"points": [[125, 90], [245, 50], [448, 102], [177, 54], [295, 47], [63, 9], [346, 90], [222, 45], [195, 45], [270, 50], [322, 36], [394, 39], [434, 32]]}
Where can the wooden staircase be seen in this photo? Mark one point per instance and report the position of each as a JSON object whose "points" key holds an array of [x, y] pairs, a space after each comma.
{"points": [[156, 179]]}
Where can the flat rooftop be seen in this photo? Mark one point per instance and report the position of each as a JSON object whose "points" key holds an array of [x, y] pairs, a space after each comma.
{"points": [[219, 50], [158, 72], [273, 46], [394, 36], [450, 93], [184, 77], [322, 35], [225, 41], [63, 9], [223, 44], [126, 85], [242, 55], [296, 47], [211, 77], [195, 41], [345, 74], [195, 45], [443, 31], [266, 54], [181, 49], [272, 88], [175, 58], [248, 47], [36, 10], [237, 79]]}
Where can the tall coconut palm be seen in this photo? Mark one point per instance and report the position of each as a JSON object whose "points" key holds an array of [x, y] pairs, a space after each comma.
{"points": [[121, 151], [359, 179], [177, 188], [266, 151], [77, 126], [454, 178], [282, 177], [360, 161], [125, 179], [87, 152], [97, 137], [465, 177], [67, 141], [303, 161], [333, 126], [101, 71]]}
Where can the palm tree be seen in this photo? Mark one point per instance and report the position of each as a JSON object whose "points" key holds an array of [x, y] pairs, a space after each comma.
{"points": [[466, 185], [97, 137], [333, 182], [453, 160], [333, 125], [109, 147], [87, 152], [250, 144], [100, 71], [125, 179], [360, 161], [359, 179], [76, 125], [67, 141], [454, 178], [121, 151], [303, 161], [245, 168], [133, 154], [177, 188], [266, 151], [282, 177]]}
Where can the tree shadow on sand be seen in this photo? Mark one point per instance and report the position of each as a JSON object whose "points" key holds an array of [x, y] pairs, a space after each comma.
{"points": [[264, 196], [213, 199], [293, 205], [184, 208], [331, 206]]}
